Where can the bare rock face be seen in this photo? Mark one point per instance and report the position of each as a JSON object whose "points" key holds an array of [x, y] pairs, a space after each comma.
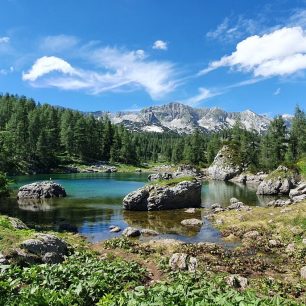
{"points": [[280, 181], [223, 168], [184, 194], [41, 190]]}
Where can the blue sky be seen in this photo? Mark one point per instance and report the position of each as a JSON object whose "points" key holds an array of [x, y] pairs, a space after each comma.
{"points": [[129, 54]]}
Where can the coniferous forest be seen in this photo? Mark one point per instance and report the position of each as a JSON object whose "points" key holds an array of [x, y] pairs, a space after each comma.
{"points": [[35, 137]]}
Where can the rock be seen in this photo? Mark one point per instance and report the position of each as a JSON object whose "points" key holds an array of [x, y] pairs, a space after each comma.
{"points": [[280, 181], [41, 190], [131, 232], [160, 176], [290, 248], [3, 260], [237, 281], [298, 194], [138, 170], [251, 235], [190, 211], [45, 243], [304, 241], [184, 194], [111, 169], [181, 261], [303, 272], [219, 221], [217, 210], [234, 200], [192, 265], [296, 230], [17, 223], [274, 243], [115, 229], [192, 222], [223, 168], [178, 261], [236, 205], [52, 258], [148, 232], [216, 205], [230, 238]]}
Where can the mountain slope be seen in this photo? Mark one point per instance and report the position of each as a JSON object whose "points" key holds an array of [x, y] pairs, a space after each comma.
{"points": [[181, 118]]}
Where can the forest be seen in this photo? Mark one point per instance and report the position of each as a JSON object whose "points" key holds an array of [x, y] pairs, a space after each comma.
{"points": [[37, 137]]}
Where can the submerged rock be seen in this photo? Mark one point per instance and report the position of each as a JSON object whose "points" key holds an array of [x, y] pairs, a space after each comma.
{"points": [[148, 232], [192, 222], [115, 229], [223, 168], [41, 190], [184, 194]]}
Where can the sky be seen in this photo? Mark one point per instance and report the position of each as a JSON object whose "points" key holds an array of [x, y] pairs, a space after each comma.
{"points": [[129, 54]]}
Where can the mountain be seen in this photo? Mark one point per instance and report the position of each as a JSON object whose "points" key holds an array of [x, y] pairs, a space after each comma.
{"points": [[185, 119]]}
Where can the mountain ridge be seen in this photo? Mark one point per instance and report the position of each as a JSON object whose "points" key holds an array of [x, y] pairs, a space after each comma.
{"points": [[184, 119]]}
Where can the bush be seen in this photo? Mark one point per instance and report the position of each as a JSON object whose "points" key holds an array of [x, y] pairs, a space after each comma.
{"points": [[4, 191]]}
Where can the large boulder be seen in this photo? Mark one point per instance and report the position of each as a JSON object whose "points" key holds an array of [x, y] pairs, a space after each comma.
{"points": [[280, 181], [184, 194], [223, 168], [41, 190]]}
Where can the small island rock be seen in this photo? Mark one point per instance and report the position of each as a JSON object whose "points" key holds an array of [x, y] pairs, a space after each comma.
{"points": [[41, 190]]}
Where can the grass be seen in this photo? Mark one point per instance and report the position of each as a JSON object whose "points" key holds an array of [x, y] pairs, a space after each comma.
{"points": [[172, 182]]}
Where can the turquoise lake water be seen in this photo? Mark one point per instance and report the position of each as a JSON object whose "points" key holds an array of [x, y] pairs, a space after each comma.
{"points": [[94, 202]]}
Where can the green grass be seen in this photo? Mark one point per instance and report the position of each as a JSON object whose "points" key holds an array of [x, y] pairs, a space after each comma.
{"points": [[172, 182]]}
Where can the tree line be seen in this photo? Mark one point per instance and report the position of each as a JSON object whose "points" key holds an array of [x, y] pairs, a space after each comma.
{"points": [[35, 137]]}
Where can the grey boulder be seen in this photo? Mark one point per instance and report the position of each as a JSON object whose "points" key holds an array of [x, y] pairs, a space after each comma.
{"points": [[41, 190]]}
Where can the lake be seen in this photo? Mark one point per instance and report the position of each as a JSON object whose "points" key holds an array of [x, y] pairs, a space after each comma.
{"points": [[94, 202]]}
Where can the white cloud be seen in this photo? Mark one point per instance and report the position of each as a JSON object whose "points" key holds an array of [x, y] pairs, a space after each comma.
{"points": [[281, 52], [45, 65], [232, 29], [4, 40], [114, 70], [58, 43], [203, 94], [160, 45], [277, 91]]}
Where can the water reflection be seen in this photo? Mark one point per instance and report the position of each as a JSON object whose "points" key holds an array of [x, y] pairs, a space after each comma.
{"points": [[95, 202]]}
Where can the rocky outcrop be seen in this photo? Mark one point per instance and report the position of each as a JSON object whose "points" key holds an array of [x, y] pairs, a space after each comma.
{"points": [[223, 168], [280, 181], [299, 193], [237, 281], [41, 190], [184, 194]]}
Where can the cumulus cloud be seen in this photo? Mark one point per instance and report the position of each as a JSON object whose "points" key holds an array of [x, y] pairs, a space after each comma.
{"points": [[58, 43], [114, 70], [4, 40], [160, 45], [203, 94], [281, 52]]}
